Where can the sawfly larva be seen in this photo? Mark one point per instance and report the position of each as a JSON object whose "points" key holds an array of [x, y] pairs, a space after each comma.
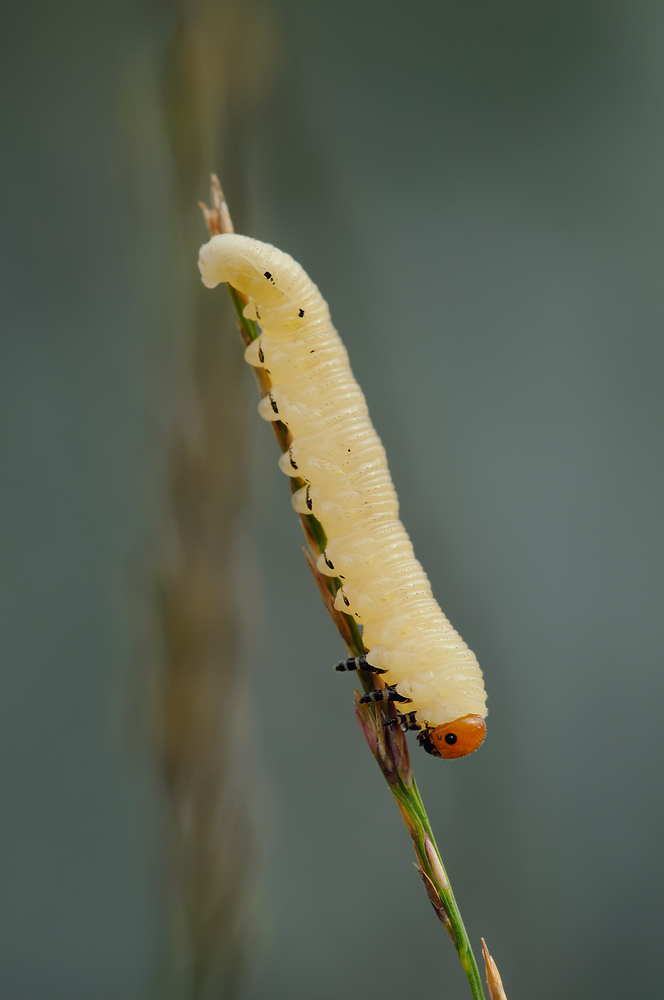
{"points": [[337, 453]]}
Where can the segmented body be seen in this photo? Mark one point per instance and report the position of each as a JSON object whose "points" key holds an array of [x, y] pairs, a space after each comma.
{"points": [[337, 452]]}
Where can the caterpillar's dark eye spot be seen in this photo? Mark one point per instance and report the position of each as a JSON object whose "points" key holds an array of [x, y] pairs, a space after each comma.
{"points": [[261, 356], [451, 739], [273, 403], [346, 601], [328, 563], [301, 313], [267, 274]]}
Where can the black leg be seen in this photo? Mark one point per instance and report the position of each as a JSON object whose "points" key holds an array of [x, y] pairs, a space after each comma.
{"points": [[405, 721], [358, 663], [383, 694]]}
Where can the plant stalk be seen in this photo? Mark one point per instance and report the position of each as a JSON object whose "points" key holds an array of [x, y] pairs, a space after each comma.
{"points": [[386, 742]]}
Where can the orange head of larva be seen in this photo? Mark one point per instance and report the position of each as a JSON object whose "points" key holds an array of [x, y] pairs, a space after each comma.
{"points": [[454, 739]]}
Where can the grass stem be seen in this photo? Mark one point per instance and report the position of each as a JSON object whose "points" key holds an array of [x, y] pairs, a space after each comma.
{"points": [[386, 742]]}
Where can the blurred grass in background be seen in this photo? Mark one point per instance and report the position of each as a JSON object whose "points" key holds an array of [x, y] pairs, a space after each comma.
{"points": [[477, 189], [185, 111]]}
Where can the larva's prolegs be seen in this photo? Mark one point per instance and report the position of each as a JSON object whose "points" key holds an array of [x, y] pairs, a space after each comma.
{"points": [[333, 449]]}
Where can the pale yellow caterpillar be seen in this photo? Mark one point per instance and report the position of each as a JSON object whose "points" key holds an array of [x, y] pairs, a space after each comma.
{"points": [[338, 454]]}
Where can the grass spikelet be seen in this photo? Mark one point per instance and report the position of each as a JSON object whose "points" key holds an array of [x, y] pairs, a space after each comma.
{"points": [[493, 980]]}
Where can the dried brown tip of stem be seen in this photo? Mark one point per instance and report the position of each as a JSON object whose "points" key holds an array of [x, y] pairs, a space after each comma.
{"points": [[218, 218], [493, 980]]}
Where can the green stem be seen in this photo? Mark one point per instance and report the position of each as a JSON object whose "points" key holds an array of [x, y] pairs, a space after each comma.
{"points": [[409, 799], [248, 326]]}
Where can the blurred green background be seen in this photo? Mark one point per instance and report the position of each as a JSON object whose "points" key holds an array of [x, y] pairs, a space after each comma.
{"points": [[188, 809]]}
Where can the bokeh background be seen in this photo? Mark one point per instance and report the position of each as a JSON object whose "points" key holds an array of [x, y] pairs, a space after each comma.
{"points": [[188, 809]]}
